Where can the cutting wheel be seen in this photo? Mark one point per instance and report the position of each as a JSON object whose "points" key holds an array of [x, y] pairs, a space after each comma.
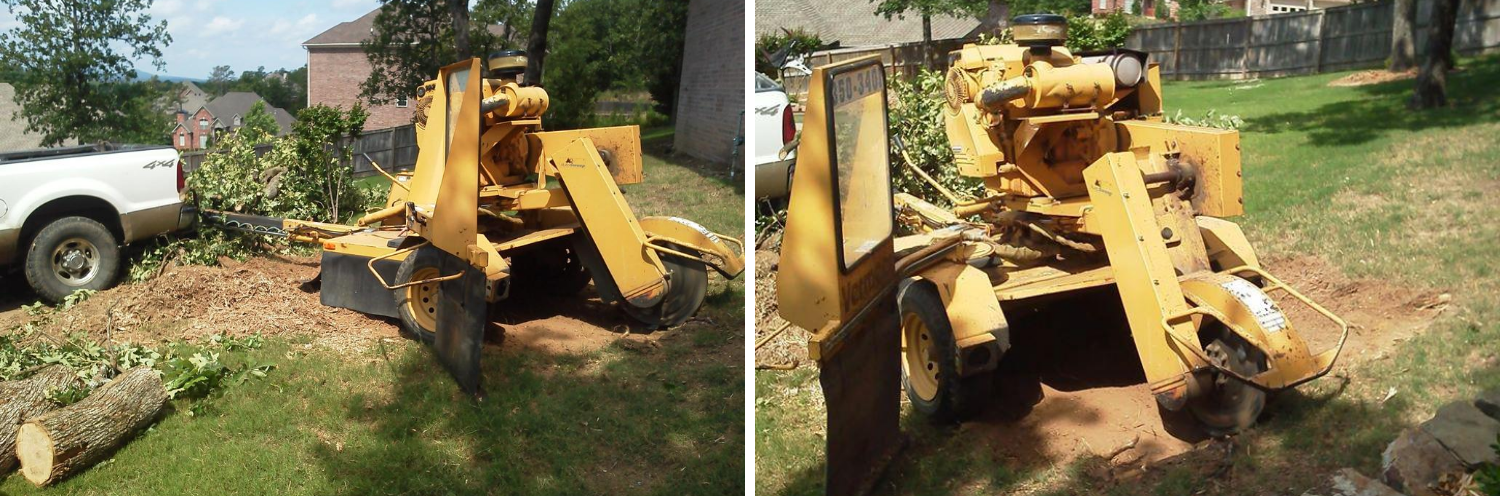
{"points": [[1230, 405], [687, 286]]}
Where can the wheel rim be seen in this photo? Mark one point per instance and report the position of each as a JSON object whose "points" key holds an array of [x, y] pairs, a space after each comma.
{"points": [[421, 299], [75, 261], [916, 347]]}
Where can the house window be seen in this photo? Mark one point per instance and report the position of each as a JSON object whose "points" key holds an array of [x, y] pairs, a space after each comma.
{"points": [[203, 141], [401, 102], [237, 121], [181, 140], [203, 124]]}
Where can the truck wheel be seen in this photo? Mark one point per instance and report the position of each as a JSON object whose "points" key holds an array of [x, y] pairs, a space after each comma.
{"points": [[929, 360], [70, 254], [1229, 406], [417, 304]]}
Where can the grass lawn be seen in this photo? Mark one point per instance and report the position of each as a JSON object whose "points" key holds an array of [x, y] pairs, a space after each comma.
{"points": [[1347, 174], [620, 420]]}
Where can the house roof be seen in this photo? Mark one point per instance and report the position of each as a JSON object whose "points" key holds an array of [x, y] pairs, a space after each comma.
{"points": [[357, 31], [346, 33], [853, 23], [13, 135], [238, 103]]}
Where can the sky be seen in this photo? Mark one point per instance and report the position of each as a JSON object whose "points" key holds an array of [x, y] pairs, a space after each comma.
{"points": [[243, 34]]}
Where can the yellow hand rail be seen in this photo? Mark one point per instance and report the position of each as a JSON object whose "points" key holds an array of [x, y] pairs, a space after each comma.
{"points": [[381, 280], [1275, 284]]}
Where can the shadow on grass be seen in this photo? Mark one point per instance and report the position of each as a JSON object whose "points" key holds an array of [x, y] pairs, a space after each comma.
{"points": [[1382, 109], [659, 145], [622, 420]]}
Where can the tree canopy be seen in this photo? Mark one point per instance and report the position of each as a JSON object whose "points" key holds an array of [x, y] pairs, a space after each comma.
{"points": [[412, 39], [70, 63], [259, 124], [281, 88], [622, 46]]}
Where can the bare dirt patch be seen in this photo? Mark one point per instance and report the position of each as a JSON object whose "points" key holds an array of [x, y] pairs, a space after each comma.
{"points": [[264, 295], [1377, 76], [1072, 385]]}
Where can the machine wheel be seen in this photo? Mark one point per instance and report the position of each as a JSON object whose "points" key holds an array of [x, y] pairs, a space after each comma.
{"points": [[418, 304], [1229, 406], [70, 254], [687, 286], [929, 360]]}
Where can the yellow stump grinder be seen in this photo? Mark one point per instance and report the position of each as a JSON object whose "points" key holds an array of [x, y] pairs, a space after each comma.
{"points": [[492, 198], [1085, 187]]}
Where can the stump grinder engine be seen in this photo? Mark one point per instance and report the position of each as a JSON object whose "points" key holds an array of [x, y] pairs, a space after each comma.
{"points": [[1084, 187], [494, 199]]}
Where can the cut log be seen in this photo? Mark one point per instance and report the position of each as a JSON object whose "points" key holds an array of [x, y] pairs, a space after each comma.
{"points": [[23, 399], [65, 441]]}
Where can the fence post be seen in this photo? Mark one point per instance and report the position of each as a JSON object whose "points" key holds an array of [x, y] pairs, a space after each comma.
{"points": [[1249, 42], [1322, 36], [1177, 50]]}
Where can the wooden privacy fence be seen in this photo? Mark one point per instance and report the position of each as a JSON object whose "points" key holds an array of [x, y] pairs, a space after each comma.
{"points": [[901, 60], [1308, 42], [393, 148]]}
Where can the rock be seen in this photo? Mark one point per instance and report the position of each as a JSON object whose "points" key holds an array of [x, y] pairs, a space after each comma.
{"points": [[1414, 461], [1466, 431], [1349, 482], [1489, 403]]}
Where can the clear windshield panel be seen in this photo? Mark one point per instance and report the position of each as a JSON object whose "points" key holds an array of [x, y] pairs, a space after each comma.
{"points": [[864, 183], [458, 82]]}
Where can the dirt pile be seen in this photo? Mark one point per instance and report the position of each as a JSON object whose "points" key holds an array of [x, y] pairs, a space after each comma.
{"points": [[1072, 384], [261, 295], [1377, 76]]}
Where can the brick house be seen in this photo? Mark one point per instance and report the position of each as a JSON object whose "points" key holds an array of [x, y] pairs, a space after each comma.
{"points": [[336, 66], [197, 129], [711, 94]]}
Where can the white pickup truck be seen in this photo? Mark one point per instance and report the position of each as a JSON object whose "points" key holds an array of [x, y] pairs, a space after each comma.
{"points": [[66, 212]]}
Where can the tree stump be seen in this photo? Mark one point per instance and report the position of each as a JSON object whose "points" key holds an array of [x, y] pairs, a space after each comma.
{"points": [[65, 441], [21, 400]]}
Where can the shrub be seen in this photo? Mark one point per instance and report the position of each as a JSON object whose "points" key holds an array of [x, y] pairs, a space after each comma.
{"points": [[1091, 33], [916, 116], [771, 42]]}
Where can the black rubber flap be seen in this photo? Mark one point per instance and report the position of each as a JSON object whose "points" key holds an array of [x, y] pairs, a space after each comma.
{"points": [[862, 388], [460, 326]]}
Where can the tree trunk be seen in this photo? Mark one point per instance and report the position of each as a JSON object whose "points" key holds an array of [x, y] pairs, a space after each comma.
{"points": [[65, 441], [24, 399], [459, 9], [536, 47], [1432, 79], [927, 55], [997, 17], [1404, 36]]}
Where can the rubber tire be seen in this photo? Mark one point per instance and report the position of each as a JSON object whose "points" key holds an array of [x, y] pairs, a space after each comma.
{"points": [[958, 398], [426, 256], [39, 264], [686, 290], [1233, 407]]}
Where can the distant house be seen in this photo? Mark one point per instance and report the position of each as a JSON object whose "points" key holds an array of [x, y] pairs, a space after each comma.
{"points": [[336, 66], [199, 128], [854, 23], [13, 134], [711, 93]]}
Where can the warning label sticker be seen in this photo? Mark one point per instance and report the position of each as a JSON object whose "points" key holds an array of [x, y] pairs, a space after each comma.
{"points": [[1265, 311]]}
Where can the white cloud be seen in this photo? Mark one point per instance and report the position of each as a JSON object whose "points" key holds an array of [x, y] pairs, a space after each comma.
{"points": [[166, 8], [221, 25], [344, 4]]}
